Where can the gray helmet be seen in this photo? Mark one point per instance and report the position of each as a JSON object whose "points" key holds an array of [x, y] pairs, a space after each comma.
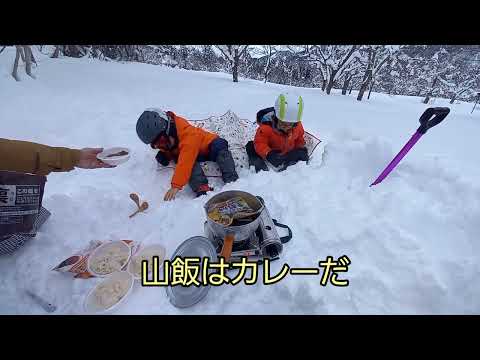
{"points": [[151, 124]]}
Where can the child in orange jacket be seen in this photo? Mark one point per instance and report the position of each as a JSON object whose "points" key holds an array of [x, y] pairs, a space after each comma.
{"points": [[186, 145], [280, 136]]}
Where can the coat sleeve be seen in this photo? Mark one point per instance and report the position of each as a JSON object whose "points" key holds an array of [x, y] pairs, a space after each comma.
{"points": [[300, 140], [186, 159], [261, 141], [33, 158]]}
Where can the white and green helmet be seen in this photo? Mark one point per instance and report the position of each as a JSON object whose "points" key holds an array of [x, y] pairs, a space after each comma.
{"points": [[289, 108]]}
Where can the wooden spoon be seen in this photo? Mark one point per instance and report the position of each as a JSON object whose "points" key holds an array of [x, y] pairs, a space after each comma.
{"points": [[135, 199], [142, 208]]}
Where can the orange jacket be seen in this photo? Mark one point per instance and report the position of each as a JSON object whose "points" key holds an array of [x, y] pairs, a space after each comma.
{"points": [[267, 139], [192, 141]]}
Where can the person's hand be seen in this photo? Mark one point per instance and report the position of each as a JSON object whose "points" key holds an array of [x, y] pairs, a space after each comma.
{"points": [[274, 158], [170, 194], [299, 154], [162, 159], [88, 159]]}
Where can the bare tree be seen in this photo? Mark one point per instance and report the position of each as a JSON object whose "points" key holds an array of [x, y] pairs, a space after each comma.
{"points": [[371, 87], [377, 57], [15, 63], [233, 54], [461, 86], [74, 50], [267, 52], [56, 51], [346, 82], [28, 60], [432, 70], [476, 102], [350, 72], [307, 54], [335, 60], [25, 53], [462, 79]]}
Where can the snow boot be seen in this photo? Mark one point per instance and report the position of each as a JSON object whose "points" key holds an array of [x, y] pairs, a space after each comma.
{"points": [[203, 189], [197, 178], [227, 166]]}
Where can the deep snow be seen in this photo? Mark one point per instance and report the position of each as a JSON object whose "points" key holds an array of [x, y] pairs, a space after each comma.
{"points": [[412, 240]]}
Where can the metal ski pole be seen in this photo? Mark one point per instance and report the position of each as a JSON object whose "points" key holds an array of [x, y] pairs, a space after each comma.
{"points": [[430, 118]]}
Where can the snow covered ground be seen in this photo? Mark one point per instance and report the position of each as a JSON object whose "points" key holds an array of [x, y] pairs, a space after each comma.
{"points": [[412, 240]]}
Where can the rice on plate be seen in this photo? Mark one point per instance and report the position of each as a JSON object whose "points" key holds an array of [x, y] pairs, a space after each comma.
{"points": [[109, 293], [109, 258]]}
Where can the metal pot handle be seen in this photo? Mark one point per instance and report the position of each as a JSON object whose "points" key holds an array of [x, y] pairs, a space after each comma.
{"points": [[284, 239]]}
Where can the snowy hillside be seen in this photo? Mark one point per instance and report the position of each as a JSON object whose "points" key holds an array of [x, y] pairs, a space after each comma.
{"points": [[413, 240]]}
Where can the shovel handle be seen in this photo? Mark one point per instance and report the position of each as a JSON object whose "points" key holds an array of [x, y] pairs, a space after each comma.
{"points": [[432, 117]]}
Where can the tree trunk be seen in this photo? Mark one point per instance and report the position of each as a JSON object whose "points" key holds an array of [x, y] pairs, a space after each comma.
{"points": [[329, 86], [370, 91], [361, 92], [235, 71], [129, 51], [331, 82], [80, 50], [364, 87], [73, 51], [324, 84], [33, 57], [267, 66], [236, 61], [28, 60], [427, 98], [22, 53], [364, 84], [15, 64], [351, 88], [56, 52], [2, 49], [456, 95], [345, 85], [367, 78], [476, 102], [266, 72]]}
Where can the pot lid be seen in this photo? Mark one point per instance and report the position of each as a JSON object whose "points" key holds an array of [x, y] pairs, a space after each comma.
{"points": [[185, 296]]}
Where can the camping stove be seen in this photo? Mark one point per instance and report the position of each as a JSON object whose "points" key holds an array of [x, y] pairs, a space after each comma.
{"points": [[264, 242]]}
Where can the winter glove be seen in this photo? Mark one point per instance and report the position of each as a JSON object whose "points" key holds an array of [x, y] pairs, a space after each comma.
{"points": [[259, 165], [294, 156], [275, 158], [300, 154], [162, 159]]}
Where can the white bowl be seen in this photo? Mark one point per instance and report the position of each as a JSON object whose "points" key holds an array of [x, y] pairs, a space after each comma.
{"points": [[115, 160], [99, 251], [156, 249], [91, 304]]}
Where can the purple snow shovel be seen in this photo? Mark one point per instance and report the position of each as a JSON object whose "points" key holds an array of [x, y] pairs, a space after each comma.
{"points": [[430, 118]]}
